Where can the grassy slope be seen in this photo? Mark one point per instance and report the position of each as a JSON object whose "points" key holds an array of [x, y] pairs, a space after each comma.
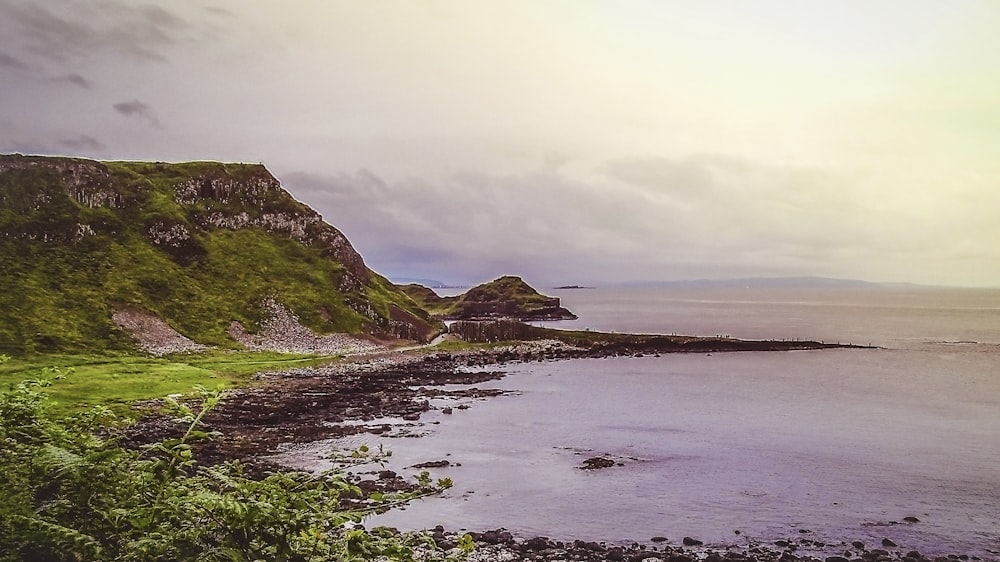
{"points": [[118, 380], [507, 289], [60, 288]]}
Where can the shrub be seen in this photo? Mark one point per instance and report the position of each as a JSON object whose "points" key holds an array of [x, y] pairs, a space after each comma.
{"points": [[69, 491]]}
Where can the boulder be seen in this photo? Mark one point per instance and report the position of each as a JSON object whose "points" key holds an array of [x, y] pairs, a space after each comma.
{"points": [[595, 463], [537, 543]]}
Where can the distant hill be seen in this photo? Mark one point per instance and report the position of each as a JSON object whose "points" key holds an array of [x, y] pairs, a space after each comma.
{"points": [[759, 283], [432, 283], [506, 297], [197, 246]]}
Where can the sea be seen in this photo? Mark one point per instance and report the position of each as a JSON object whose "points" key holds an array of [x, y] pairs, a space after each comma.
{"points": [[898, 442]]}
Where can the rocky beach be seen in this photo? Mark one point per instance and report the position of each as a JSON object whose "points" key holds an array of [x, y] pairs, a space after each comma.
{"points": [[388, 392]]}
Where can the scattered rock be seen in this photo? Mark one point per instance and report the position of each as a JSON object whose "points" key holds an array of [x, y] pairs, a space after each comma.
{"points": [[595, 463], [153, 335], [432, 464], [500, 546], [282, 331], [309, 404], [911, 519], [498, 536], [537, 543], [659, 539], [888, 543]]}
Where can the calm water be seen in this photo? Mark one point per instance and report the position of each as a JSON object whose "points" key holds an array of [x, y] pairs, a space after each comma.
{"points": [[839, 443]]}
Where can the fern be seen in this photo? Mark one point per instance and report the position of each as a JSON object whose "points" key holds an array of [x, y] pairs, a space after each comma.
{"points": [[68, 495], [58, 461], [60, 538]]}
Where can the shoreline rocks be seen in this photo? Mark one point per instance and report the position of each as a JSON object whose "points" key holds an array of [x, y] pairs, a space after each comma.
{"points": [[356, 396], [597, 463], [502, 545]]}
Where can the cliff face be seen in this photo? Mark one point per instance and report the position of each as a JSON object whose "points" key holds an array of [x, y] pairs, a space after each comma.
{"points": [[506, 297], [199, 245]]}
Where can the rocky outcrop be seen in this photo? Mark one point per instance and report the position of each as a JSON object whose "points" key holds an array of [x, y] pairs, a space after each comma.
{"points": [[586, 343], [252, 189], [229, 196], [200, 243], [257, 200], [483, 331], [86, 181], [506, 297]]}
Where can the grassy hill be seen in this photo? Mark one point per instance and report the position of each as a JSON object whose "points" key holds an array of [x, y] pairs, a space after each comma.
{"points": [[505, 297], [199, 245]]}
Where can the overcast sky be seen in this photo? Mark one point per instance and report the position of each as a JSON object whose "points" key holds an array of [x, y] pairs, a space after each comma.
{"points": [[568, 141]]}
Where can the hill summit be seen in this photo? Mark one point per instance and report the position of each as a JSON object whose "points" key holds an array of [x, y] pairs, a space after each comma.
{"points": [[505, 297], [97, 254]]}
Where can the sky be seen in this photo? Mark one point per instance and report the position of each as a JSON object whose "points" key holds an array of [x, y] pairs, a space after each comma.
{"points": [[567, 141]]}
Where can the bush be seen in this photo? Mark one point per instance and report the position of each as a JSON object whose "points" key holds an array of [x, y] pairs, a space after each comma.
{"points": [[69, 491]]}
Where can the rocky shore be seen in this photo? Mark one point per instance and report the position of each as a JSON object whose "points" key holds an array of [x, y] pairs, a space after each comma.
{"points": [[500, 545], [305, 405], [389, 392]]}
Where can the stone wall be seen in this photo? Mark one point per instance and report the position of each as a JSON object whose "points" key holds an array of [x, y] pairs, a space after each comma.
{"points": [[482, 331]]}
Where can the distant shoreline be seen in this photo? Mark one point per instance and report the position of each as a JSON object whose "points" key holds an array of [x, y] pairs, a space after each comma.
{"points": [[357, 395], [310, 404]]}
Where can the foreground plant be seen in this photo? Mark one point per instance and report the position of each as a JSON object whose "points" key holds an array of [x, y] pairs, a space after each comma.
{"points": [[69, 491]]}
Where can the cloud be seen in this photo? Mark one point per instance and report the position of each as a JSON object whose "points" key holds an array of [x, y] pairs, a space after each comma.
{"points": [[16, 139], [84, 143], [12, 63], [139, 110], [543, 224], [48, 34], [882, 134], [75, 79], [85, 30], [9, 62], [636, 218], [160, 18], [215, 10]]}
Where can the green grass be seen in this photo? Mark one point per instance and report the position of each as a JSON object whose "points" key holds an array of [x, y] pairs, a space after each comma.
{"points": [[118, 381], [507, 289], [66, 266], [458, 345]]}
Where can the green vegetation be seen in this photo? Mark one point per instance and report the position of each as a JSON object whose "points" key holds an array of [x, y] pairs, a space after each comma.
{"points": [[119, 381], [197, 244], [429, 300], [507, 296], [69, 492], [508, 288]]}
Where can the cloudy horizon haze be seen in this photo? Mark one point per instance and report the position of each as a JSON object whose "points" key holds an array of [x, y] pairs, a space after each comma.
{"points": [[570, 142]]}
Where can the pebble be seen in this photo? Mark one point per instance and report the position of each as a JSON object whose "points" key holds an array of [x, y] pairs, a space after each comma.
{"points": [[688, 541]]}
